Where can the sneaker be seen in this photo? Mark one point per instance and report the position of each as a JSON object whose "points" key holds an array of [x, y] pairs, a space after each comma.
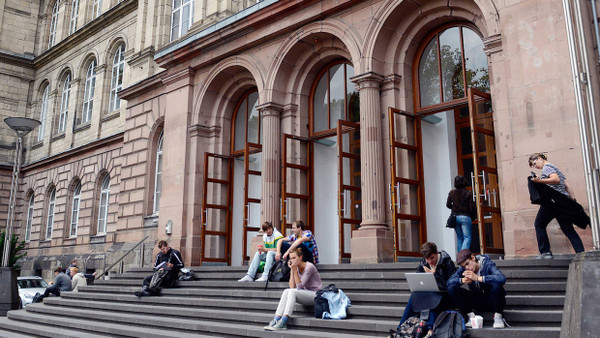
{"points": [[263, 278], [273, 322], [141, 293], [498, 321], [246, 278], [280, 325], [545, 255], [468, 321]]}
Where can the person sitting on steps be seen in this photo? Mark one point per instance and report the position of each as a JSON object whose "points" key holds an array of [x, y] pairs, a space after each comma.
{"points": [[304, 283], [61, 283], [265, 252], [299, 238], [485, 290], [166, 270]]}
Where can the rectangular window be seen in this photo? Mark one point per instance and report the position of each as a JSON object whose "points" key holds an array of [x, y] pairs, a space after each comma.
{"points": [[74, 14], [43, 110], [103, 207], [29, 220], [53, 23], [88, 95], [116, 82], [75, 211], [97, 9], [64, 106], [182, 16], [50, 222]]}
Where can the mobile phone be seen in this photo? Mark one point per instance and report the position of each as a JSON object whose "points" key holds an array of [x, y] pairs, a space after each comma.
{"points": [[533, 174]]}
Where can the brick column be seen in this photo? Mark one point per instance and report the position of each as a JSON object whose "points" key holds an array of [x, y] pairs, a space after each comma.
{"points": [[271, 163], [372, 243]]}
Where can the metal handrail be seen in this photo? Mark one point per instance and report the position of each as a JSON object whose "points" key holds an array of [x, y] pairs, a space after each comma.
{"points": [[120, 259]]}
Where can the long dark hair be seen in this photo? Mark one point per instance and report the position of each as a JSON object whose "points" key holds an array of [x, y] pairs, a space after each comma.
{"points": [[460, 182]]}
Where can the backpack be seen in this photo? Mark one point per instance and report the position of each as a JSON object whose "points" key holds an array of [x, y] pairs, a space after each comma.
{"points": [[321, 304], [409, 329], [450, 324], [280, 272]]}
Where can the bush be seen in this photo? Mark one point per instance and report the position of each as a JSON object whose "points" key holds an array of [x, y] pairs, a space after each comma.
{"points": [[16, 249]]}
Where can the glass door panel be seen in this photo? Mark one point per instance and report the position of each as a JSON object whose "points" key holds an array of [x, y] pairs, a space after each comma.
{"points": [[216, 211], [295, 177], [485, 172], [349, 194], [407, 198], [252, 195]]}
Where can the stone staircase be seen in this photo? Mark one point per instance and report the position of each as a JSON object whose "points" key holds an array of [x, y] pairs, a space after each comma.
{"points": [[216, 305]]}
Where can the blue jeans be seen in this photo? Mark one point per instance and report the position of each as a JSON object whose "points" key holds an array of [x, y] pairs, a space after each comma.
{"points": [[463, 232], [268, 257]]}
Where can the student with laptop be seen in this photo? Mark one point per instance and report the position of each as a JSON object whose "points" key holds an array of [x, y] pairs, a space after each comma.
{"points": [[484, 287], [428, 304]]}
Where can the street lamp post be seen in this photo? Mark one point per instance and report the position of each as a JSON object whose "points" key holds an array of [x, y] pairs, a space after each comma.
{"points": [[9, 294]]}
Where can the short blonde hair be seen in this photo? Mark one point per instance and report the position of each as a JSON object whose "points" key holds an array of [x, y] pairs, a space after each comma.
{"points": [[74, 269]]}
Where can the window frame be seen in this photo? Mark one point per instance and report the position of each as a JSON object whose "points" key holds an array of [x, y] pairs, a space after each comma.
{"points": [[64, 104], [116, 78], [74, 221], [179, 10], [51, 214], [158, 174], [242, 99], [88, 93], [74, 15], [53, 25], [96, 9], [30, 210], [103, 216], [43, 113]]}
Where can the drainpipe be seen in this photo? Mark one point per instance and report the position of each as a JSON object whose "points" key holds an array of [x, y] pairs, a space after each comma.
{"points": [[584, 99]]}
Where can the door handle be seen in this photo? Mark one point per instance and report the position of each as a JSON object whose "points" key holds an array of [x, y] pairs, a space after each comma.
{"points": [[398, 200]]}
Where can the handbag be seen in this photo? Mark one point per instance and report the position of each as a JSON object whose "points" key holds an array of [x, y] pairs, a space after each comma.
{"points": [[451, 222]]}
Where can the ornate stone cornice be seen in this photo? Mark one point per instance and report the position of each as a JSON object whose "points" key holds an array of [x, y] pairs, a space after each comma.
{"points": [[289, 110], [270, 109], [181, 74], [367, 80], [141, 57], [492, 44], [391, 82], [204, 131]]}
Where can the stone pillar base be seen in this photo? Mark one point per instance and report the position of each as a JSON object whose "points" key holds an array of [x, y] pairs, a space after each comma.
{"points": [[9, 293], [582, 299], [372, 245]]}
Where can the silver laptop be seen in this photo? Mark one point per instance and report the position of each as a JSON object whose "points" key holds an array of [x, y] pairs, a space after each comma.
{"points": [[421, 281]]}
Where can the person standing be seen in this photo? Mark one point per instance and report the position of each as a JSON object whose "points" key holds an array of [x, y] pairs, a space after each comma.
{"points": [[555, 179], [461, 203], [265, 252]]}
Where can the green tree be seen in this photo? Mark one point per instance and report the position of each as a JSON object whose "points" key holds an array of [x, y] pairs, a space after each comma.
{"points": [[16, 250]]}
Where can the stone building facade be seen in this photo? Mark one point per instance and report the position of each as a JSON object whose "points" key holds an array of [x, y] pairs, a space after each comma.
{"points": [[351, 115]]}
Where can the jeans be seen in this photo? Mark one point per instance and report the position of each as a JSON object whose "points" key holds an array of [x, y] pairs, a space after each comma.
{"points": [[493, 298], [290, 297], [543, 218], [463, 232], [268, 257]]}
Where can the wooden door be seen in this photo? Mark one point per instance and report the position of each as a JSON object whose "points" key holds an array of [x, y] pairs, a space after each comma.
{"points": [[295, 181], [252, 195]]}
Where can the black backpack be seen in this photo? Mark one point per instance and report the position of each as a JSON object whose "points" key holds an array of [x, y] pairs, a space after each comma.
{"points": [[280, 272], [321, 303], [450, 324]]}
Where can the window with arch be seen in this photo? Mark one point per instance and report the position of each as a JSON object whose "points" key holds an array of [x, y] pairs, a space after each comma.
{"points": [[53, 24], [29, 218], [334, 97], [181, 18], [64, 103], [116, 82], [75, 205], [50, 218], [96, 9], [451, 61], [158, 174], [74, 14], [43, 112], [247, 126], [88, 93], [103, 204]]}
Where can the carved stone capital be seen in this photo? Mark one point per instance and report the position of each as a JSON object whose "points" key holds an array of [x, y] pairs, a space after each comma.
{"points": [[204, 131], [367, 80], [492, 44], [270, 109]]}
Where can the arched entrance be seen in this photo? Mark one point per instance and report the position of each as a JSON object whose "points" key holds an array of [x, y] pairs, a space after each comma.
{"points": [[451, 133]]}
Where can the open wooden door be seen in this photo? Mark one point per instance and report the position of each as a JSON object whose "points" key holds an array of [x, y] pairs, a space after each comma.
{"points": [[252, 195], [407, 197], [349, 194], [216, 209], [295, 181], [485, 182]]}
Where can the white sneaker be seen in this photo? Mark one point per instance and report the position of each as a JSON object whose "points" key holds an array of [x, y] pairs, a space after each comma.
{"points": [[263, 278], [246, 278], [471, 315], [498, 321]]}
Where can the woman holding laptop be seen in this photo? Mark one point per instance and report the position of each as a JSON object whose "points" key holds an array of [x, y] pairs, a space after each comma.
{"points": [[442, 267]]}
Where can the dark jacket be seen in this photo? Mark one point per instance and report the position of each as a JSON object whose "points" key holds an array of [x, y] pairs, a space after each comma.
{"points": [[565, 207], [172, 256], [461, 203], [444, 269], [62, 282], [487, 268]]}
